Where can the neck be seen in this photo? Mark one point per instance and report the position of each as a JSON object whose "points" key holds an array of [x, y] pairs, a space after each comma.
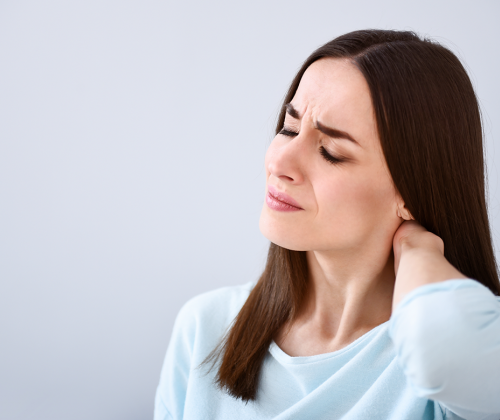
{"points": [[350, 290], [348, 294]]}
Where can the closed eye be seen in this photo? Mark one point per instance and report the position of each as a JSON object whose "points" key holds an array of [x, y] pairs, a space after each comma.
{"points": [[327, 156], [288, 133]]}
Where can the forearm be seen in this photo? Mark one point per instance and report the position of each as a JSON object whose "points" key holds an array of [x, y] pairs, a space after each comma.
{"points": [[420, 266]]}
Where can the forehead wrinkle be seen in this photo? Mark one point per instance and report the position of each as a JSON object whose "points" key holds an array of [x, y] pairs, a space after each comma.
{"points": [[302, 113]]}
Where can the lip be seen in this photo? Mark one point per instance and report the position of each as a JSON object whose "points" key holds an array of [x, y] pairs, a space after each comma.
{"points": [[280, 201]]}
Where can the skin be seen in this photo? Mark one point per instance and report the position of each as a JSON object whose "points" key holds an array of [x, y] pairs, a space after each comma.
{"points": [[364, 250]]}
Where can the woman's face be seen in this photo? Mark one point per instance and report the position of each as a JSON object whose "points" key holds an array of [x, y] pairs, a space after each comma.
{"points": [[346, 204]]}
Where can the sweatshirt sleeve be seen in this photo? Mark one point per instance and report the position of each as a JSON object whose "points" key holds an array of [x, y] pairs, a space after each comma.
{"points": [[171, 391], [447, 341], [198, 328]]}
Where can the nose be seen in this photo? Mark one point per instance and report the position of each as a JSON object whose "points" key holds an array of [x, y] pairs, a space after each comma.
{"points": [[285, 159]]}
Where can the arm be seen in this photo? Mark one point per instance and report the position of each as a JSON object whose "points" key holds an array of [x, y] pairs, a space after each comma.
{"points": [[184, 389], [420, 266], [446, 328], [419, 260], [171, 391]]}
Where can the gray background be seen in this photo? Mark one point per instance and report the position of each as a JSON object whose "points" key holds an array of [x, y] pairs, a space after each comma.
{"points": [[133, 136]]}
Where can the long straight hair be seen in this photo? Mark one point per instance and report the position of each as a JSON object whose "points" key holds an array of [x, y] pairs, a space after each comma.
{"points": [[429, 125]]}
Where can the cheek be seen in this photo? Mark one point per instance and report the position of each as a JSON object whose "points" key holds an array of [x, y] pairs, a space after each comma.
{"points": [[349, 213], [350, 200]]}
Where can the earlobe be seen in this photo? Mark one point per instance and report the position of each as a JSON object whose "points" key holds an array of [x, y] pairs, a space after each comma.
{"points": [[404, 213], [401, 211]]}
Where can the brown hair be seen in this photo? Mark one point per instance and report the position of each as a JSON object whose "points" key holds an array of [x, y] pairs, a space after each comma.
{"points": [[429, 125]]}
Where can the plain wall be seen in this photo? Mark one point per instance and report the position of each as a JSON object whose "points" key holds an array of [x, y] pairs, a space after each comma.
{"points": [[132, 142]]}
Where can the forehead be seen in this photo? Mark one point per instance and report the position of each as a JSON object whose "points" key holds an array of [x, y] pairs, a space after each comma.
{"points": [[335, 92]]}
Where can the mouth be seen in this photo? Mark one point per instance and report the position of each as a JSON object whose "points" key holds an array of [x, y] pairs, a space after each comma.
{"points": [[277, 200]]}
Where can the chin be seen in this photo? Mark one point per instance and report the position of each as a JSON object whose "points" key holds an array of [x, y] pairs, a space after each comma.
{"points": [[282, 236]]}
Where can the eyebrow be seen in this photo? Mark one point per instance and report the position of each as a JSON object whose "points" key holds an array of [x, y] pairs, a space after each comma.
{"points": [[330, 132]]}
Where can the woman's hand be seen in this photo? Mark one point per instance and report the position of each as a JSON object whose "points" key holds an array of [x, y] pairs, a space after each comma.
{"points": [[418, 260], [412, 235]]}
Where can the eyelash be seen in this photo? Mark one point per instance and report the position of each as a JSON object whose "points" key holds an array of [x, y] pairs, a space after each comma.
{"points": [[331, 159]]}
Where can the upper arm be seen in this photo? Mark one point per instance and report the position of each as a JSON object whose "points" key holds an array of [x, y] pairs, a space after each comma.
{"points": [[174, 377], [197, 330], [161, 411]]}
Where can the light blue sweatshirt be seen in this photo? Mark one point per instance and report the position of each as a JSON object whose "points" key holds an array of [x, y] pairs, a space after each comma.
{"points": [[438, 357]]}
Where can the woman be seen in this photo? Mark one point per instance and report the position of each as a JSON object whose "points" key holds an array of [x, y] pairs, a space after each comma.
{"points": [[380, 298]]}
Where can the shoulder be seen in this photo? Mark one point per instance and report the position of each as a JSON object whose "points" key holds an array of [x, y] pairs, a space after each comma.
{"points": [[206, 316], [198, 328], [224, 300]]}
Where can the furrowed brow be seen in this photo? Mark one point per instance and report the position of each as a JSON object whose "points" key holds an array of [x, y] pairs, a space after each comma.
{"points": [[292, 111], [330, 132], [334, 133]]}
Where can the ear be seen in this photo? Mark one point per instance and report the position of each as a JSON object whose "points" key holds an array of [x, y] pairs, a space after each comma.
{"points": [[404, 213], [401, 209]]}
